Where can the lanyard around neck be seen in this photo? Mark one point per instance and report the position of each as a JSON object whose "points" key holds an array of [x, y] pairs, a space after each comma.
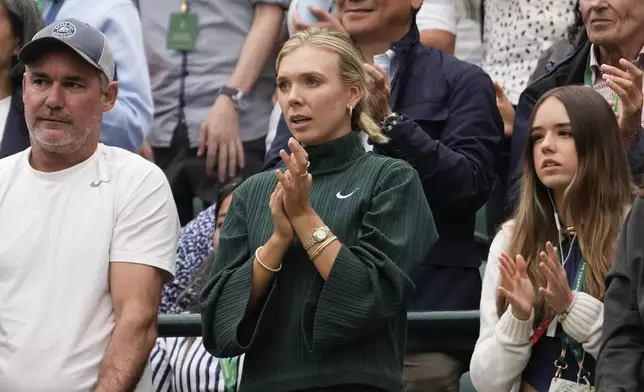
{"points": [[588, 81]]}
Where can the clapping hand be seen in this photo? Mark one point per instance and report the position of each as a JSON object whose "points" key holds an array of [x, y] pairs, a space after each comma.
{"points": [[515, 286], [505, 108], [626, 82], [296, 181], [557, 293], [379, 91], [283, 228]]}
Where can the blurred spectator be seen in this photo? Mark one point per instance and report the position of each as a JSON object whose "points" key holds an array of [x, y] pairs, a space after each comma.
{"points": [[181, 363], [88, 233], [198, 238], [448, 128], [213, 96], [127, 124], [515, 34], [19, 21], [541, 307], [619, 366], [324, 268], [609, 56], [459, 21]]}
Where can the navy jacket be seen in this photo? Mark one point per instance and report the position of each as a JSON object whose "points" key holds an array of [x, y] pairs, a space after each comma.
{"points": [[569, 71], [16, 134], [452, 136]]}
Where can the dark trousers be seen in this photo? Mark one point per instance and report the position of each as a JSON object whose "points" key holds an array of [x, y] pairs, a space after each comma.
{"points": [[186, 173]]}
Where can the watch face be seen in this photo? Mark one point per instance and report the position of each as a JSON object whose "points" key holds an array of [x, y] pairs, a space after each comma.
{"points": [[320, 234]]}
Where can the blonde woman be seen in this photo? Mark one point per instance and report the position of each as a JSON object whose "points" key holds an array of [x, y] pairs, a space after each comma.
{"points": [[541, 304], [310, 275]]}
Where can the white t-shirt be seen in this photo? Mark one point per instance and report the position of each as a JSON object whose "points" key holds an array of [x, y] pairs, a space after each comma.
{"points": [[58, 234], [5, 105]]}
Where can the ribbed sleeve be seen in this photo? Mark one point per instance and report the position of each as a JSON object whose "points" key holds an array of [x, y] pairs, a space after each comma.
{"points": [[368, 283], [584, 322], [229, 326]]}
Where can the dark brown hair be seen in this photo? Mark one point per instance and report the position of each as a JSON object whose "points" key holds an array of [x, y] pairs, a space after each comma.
{"points": [[596, 199]]}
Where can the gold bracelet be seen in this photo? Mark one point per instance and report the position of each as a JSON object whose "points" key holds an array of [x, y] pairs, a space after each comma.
{"points": [[322, 246], [264, 265]]}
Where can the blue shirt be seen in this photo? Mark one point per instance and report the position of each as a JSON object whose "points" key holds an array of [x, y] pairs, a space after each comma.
{"points": [[540, 369], [128, 123]]}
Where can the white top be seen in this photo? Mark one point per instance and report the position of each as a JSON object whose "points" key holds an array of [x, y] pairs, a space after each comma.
{"points": [[183, 364], [459, 17], [5, 105], [503, 347], [60, 231], [516, 34]]}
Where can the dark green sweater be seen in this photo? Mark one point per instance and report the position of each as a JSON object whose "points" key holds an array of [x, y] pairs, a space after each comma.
{"points": [[310, 333]]}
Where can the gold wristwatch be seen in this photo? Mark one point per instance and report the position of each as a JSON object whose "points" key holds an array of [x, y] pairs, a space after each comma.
{"points": [[319, 235]]}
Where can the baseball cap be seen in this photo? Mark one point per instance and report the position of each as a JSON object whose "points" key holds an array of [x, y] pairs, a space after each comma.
{"points": [[89, 43]]}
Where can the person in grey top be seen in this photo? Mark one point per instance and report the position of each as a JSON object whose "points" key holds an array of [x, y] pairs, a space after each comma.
{"points": [[213, 101]]}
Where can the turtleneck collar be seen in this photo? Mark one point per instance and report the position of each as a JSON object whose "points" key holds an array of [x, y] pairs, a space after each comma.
{"points": [[335, 153]]}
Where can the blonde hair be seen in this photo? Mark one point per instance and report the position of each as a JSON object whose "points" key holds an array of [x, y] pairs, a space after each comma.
{"points": [[351, 72], [596, 206]]}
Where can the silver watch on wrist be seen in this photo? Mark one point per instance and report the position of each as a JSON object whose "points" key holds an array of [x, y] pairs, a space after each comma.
{"points": [[236, 95], [318, 236]]}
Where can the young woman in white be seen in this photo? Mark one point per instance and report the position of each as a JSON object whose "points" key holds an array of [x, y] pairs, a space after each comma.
{"points": [[541, 303]]}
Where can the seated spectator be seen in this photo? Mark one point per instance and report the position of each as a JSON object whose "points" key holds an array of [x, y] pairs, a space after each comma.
{"points": [[181, 363], [127, 124], [19, 21], [619, 366], [198, 239], [88, 232], [610, 58], [314, 286], [444, 122], [541, 305]]}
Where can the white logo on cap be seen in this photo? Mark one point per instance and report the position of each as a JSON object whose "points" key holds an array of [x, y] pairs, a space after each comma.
{"points": [[64, 30]]}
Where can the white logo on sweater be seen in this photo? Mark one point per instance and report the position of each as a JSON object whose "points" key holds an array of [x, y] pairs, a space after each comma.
{"points": [[341, 196]]}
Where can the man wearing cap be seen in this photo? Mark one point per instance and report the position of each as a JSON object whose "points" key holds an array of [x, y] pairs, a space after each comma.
{"points": [[87, 232], [128, 123]]}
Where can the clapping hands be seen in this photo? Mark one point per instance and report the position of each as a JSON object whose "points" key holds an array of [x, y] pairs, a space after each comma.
{"points": [[516, 287]]}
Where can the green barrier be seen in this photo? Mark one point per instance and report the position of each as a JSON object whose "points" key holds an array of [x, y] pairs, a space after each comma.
{"points": [[439, 330]]}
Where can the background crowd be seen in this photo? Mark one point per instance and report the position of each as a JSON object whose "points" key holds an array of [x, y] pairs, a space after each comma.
{"points": [[198, 97]]}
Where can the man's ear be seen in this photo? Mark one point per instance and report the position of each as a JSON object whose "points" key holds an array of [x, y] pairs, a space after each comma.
{"points": [[110, 93]]}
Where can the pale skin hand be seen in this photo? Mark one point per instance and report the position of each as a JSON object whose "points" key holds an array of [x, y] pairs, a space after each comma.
{"points": [[626, 82], [505, 108], [557, 292], [515, 286], [380, 91], [325, 20], [219, 139]]}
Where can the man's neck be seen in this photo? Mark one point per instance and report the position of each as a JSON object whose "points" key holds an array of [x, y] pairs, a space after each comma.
{"points": [[611, 54], [5, 83], [371, 48], [48, 162]]}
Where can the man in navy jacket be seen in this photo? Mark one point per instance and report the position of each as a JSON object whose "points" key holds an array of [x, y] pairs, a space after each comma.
{"points": [[450, 131]]}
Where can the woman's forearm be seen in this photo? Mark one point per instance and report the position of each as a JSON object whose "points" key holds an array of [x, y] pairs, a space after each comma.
{"points": [[271, 255], [304, 227]]}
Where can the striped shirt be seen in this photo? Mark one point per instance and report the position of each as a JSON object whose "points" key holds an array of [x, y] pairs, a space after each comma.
{"points": [[184, 365], [600, 85]]}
